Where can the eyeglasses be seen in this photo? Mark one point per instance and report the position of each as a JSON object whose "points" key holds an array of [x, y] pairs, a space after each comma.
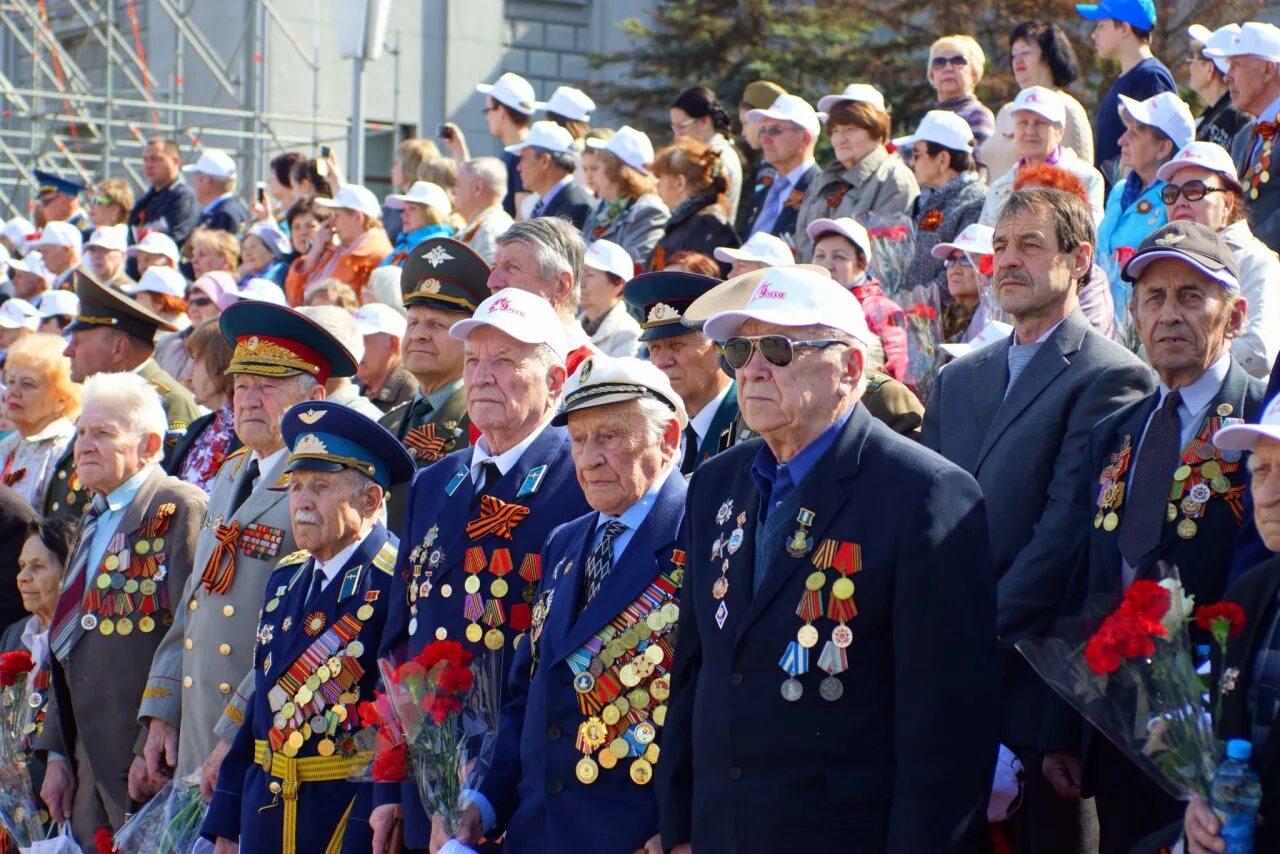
{"points": [[487, 110], [944, 61], [1192, 191], [776, 130], [199, 302], [101, 200], [778, 350], [679, 126], [962, 261]]}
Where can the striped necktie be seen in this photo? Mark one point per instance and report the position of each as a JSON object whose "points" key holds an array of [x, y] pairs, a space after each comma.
{"points": [[600, 561]]}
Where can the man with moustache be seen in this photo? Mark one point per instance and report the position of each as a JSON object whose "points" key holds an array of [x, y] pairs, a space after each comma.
{"points": [[202, 677], [476, 521]]}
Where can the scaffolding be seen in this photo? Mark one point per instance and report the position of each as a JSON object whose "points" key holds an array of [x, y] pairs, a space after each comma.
{"points": [[80, 97]]}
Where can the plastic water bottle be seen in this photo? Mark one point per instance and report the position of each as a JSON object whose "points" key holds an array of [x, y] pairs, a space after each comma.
{"points": [[1235, 796]]}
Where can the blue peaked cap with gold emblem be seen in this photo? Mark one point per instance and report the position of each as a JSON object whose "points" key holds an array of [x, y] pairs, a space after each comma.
{"points": [[326, 436], [48, 182]]}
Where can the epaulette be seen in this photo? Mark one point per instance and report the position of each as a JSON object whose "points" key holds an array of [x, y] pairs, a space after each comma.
{"points": [[875, 379], [385, 559], [290, 559]]}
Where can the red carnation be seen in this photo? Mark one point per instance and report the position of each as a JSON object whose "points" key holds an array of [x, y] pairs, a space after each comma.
{"points": [[369, 714], [1147, 602], [1132, 637], [521, 617], [444, 650], [391, 766], [987, 265], [14, 664], [456, 680], [1102, 652], [1225, 617], [103, 842], [1123, 254]]}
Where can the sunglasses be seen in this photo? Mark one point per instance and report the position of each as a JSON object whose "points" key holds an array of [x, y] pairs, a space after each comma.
{"points": [[777, 130], [962, 261], [778, 350], [1192, 191], [199, 302], [944, 61]]}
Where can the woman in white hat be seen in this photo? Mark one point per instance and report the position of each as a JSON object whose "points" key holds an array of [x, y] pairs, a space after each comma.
{"points": [[361, 242], [42, 403], [424, 213], [630, 213]]}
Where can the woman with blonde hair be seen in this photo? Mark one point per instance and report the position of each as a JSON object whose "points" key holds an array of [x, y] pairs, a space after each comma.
{"points": [[212, 249], [630, 213], [692, 182], [956, 64], [42, 403], [361, 243], [112, 200]]}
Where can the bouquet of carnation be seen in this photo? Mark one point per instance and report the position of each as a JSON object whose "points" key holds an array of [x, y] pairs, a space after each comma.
{"points": [[893, 246], [1135, 680], [437, 720], [18, 705], [169, 823]]}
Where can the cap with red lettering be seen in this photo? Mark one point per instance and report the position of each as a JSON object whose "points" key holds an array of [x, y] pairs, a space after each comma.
{"points": [[790, 296], [524, 316]]}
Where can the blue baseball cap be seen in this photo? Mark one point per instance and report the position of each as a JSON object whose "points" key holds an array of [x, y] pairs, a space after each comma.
{"points": [[1140, 14]]}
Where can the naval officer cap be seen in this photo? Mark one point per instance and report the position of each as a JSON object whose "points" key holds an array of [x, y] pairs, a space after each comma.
{"points": [[445, 274], [277, 341], [602, 380], [662, 299], [327, 436]]}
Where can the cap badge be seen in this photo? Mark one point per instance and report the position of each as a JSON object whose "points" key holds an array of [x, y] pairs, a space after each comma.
{"points": [[311, 416], [1170, 239], [310, 444], [437, 256], [584, 372], [662, 311], [429, 286]]}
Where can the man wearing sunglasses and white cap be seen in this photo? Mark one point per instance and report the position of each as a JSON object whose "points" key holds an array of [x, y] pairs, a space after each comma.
{"points": [[782, 707], [788, 134], [1167, 495]]}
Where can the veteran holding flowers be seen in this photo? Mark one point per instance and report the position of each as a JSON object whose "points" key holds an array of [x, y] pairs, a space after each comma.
{"points": [[835, 663]]}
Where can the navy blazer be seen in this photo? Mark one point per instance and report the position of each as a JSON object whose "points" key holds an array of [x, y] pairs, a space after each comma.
{"points": [[785, 225], [244, 808], [724, 429], [228, 215], [441, 501], [532, 785], [572, 203], [1265, 209], [1026, 451], [902, 761]]}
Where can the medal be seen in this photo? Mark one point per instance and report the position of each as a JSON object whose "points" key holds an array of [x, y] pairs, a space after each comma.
{"points": [[587, 770], [725, 511], [795, 662], [1187, 529], [720, 588], [722, 614], [801, 542], [833, 661]]}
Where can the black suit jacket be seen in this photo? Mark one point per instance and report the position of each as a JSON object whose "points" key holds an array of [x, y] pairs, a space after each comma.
{"points": [[785, 225], [16, 515], [1265, 209], [228, 215], [572, 203], [902, 761]]}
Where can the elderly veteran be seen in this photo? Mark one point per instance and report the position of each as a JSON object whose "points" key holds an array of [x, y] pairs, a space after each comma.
{"points": [[322, 614], [781, 709], [615, 571], [1250, 695], [476, 521], [192, 706], [1167, 495], [788, 134], [690, 361], [544, 256], [884, 397], [123, 581], [443, 281]]}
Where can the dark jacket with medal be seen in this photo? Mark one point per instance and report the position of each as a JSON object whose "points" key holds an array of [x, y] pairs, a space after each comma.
{"points": [[785, 225], [1261, 194], [448, 430], [592, 684], [862, 756], [126, 607], [313, 663], [469, 565]]}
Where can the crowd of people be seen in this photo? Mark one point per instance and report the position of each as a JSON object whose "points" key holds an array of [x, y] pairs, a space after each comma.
{"points": [[603, 412]]}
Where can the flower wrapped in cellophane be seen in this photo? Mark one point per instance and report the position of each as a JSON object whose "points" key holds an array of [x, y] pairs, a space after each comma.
{"points": [[19, 811], [169, 823], [892, 250], [1134, 678]]}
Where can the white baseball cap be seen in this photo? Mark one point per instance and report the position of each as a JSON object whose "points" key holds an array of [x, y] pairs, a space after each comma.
{"points": [[524, 316], [58, 303], [941, 127], [214, 163], [17, 230], [761, 248], [571, 103], [1244, 437], [858, 93], [1254, 39], [789, 108], [611, 258], [1212, 39], [994, 331], [17, 313], [1206, 155], [423, 193], [376, 317], [512, 90], [1042, 101], [270, 234], [601, 380], [114, 237], [156, 243], [159, 280], [546, 135], [847, 227], [32, 262], [789, 296], [58, 233], [975, 239], [354, 197], [1165, 111], [257, 289], [630, 146]]}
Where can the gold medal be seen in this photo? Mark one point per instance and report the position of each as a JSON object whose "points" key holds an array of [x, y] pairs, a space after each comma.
{"points": [[842, 589], [131, 586], [1170, 513], [719, 589], [641, 772], [296, 739], [607, 759], [654, 654], [1225, 409], [304, 695], [124, 626], [628, 676], [493, 639], [587, 770], [157, 544], [272, 605], [1187, 529], [815, 581], [146, 625], [619, 748], [472, 584], [610, 715], [142, 547], [1110, 521], [651, 754], [289, 750], [103, 581], [1097, 519], [808, 636], [474, 633], [1220, 484], [364, 612], [111, 562], [107, 627], [325, 747], [1210, 469], [659, 715], [498, 589], [1182, 473]]}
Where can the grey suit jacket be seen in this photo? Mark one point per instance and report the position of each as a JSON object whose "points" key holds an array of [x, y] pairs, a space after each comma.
{"points": [[1264, 210], [1026, 451], [637, 231]]}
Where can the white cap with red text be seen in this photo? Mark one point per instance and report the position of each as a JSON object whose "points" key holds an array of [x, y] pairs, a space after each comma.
{"points": [[156, 243], [59, 304], [975, 240], [159, 280], [1042, 101], [611, 258], [376, 317], [113, 237], [847, 227], [1214, 39], [1254, 39], [1165, 111], [630, 146], [354, 197], [788, 296], [17, 313], [524, 316], [548, 136], [58, 233], [1206, 155], [789, 108]]}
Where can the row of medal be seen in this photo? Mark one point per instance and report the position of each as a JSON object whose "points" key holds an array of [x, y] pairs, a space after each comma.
{"points": [[129, 591], [836, 562], [311, 697], [621, 676]]}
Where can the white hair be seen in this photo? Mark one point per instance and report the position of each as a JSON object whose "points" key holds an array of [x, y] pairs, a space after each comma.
{"points": [[136, 397], [384, 287], [657, 418], [339, 323], [491, 171]]}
